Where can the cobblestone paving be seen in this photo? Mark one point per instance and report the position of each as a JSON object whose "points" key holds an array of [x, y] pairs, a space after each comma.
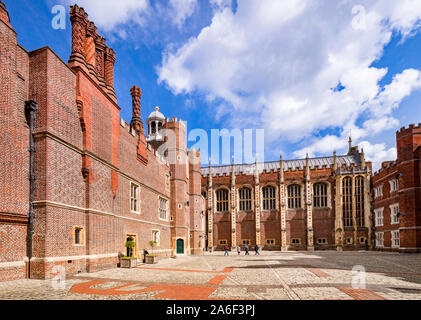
{"points": [[270, 276]]}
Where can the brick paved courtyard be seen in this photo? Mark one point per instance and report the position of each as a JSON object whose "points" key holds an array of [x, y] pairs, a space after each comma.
{"points": [[270, 276]]}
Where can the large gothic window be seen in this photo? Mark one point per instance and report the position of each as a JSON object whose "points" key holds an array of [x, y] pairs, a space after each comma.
{"points": [[245, 199], [347, 201], [222, 200], [320, 195], [359, 201], [269, 198], [294, 196]]}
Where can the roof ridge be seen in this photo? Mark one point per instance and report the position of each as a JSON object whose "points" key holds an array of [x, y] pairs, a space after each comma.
{"points": [[277, 161]]}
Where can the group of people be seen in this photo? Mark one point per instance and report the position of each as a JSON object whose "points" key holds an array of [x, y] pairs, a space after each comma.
{"points": [[246, 248]]}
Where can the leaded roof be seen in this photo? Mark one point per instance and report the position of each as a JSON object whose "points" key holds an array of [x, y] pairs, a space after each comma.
{"points": [[274, 166]]}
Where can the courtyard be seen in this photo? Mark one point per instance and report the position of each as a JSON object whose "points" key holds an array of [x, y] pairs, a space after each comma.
{"points": [[316, 275]]}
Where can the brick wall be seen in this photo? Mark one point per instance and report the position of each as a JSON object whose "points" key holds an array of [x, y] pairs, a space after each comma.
{"points": [[14, 156]]}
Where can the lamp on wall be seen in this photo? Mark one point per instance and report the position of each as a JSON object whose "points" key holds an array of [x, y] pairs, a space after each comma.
{"points": [[403, 214]]}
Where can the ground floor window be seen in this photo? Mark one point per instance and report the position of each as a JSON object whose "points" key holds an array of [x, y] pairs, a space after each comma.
{"points": [[396, 240], [156, 235], [270, 242], [79, 236], [322, 241], [295, 241], [223, 242], [379, 239], [245, 241]]}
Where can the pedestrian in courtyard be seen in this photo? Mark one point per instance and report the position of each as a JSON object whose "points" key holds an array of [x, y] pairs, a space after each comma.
{"points": [[238, 250], [247, 249], [226, 251], [256, 248]]}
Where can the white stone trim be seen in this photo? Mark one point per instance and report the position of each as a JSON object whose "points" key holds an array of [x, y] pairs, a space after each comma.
{"points": [[66, 206], [12, 264], [92, 256]]}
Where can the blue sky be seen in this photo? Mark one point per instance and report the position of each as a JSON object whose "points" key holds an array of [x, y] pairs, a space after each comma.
{"points": [[259, 65]]}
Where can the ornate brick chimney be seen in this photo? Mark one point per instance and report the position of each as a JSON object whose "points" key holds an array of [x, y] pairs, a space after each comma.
{"points": [[4, 15], [136, 122], [109, 69], [90, 52], [137, 125]]}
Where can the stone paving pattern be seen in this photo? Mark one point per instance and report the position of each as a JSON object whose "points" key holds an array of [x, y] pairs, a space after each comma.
{"points": [[323, 275]]}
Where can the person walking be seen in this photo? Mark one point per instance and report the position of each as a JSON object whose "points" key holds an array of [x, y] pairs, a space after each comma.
{"points": [[247, 249], [256, 248], [226, 251], [238, 250]]}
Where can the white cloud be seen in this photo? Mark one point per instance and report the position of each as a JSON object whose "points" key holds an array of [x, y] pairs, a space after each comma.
{"points": [[378, 153], [107, 14], [220, 4], [277, 63], [182, 10]]}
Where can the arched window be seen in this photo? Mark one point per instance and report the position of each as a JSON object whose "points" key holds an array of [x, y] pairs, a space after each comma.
{"points": [[347, 201], [269, 198], [320, 195], [222, 200], [245, 199], [359, 201], [294, 196]]}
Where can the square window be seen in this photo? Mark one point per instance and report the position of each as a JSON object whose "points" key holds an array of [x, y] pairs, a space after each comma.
{"points": [[349, 240], [322, 241], [295, 241], [223, 242], [270, 242], [245, 241]]}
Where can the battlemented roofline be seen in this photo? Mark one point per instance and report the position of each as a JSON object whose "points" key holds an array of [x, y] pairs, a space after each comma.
{"points": [[297, 164]]}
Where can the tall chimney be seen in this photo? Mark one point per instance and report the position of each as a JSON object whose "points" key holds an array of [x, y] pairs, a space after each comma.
{"points": [[79, 19], [136, 122], [109, 68]]}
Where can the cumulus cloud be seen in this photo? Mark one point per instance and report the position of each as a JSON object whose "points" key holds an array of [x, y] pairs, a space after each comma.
{"points": [[107, 14], [299, 67], [182, 10], [377, 153]]}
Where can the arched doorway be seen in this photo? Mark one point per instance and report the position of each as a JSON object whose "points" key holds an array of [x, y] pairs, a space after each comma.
{"points": [[180, 246]]}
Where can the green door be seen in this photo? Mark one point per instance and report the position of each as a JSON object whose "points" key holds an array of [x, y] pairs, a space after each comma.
{"points": [[180, 246]]}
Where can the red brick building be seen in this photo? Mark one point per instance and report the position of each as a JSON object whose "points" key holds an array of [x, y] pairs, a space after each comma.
{"points": [[397, 196], [98, 180], [321, 203]]}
